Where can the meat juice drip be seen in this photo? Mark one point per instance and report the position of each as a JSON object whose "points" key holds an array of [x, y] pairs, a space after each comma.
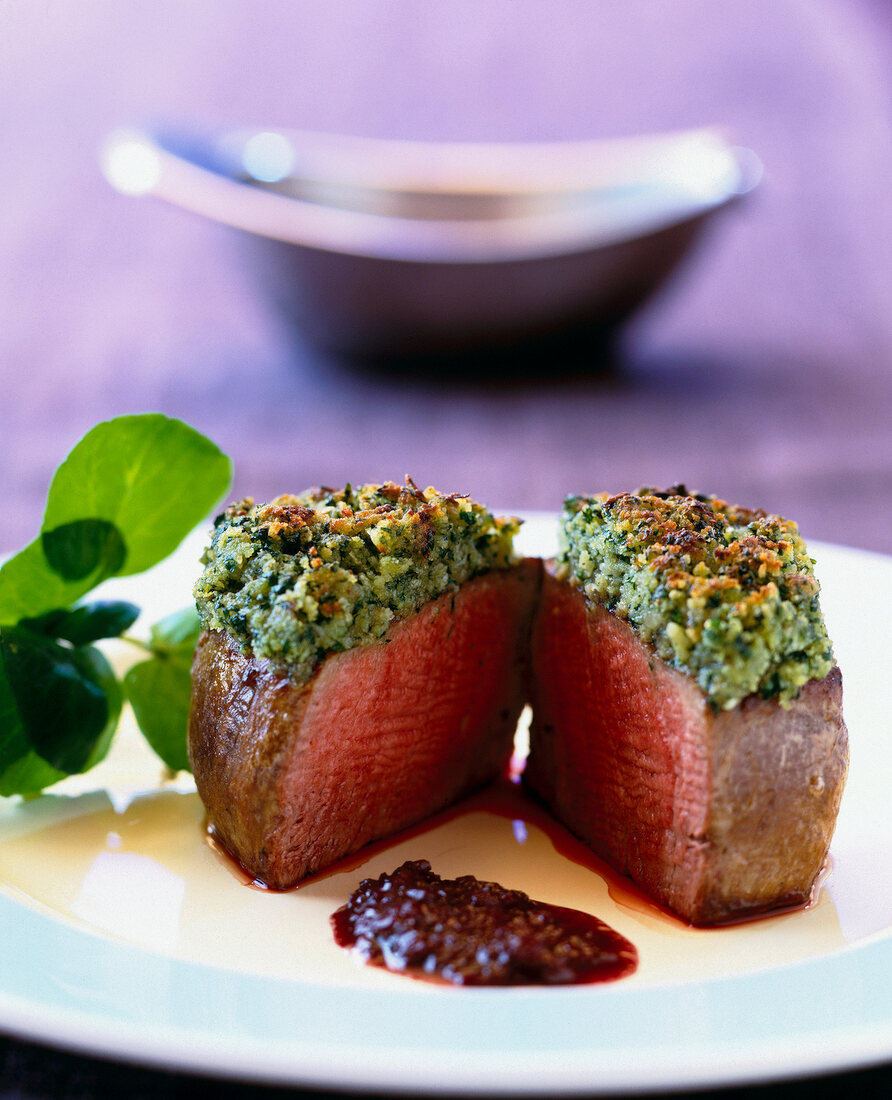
{"points": [[227, 860], [504, 798], [472, 933]]}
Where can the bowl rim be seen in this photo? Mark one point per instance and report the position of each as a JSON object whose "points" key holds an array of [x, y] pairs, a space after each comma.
{"points": [[598, 213]]}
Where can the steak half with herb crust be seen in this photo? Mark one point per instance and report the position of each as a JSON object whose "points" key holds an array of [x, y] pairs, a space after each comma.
{"points": [[687, 711], [362, 667]]}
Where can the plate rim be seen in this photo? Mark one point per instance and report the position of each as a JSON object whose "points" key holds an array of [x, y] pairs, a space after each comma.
{"points": [[726, 1057]]}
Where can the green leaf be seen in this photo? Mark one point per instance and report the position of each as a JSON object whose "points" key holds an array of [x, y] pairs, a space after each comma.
{"points": [[86, 623], [64, 701], [100, 619], [28, 774], [149, 478], [29, 586], [95, 664], [48, 624], [159, 692], [177, 633], [123, 500], [160, 689], [84, 548], [153, 478], [22, 770], [13, 740]]}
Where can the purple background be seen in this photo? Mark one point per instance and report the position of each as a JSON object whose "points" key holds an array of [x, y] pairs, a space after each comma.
{"points": [[762, 374]]}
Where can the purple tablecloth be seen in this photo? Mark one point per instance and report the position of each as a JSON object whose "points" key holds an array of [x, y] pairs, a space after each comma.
{"points": [[761, 374]]}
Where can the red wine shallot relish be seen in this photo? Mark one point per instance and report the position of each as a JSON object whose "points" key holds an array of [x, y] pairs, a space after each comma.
{"points": [[469, 932]]}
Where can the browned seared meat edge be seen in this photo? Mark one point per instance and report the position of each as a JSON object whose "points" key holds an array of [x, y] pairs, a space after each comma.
{"points": [[295, 776], [716, 815]]}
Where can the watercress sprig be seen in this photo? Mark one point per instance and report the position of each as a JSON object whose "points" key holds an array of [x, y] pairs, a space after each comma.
{"points": [[122, 501]]}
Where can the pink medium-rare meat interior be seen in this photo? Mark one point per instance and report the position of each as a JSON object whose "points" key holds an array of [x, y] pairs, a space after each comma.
{"points": [[716, 814], [296, 776]]}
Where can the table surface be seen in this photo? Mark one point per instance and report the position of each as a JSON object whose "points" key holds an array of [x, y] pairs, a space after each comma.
{"points": [[760, 374]]}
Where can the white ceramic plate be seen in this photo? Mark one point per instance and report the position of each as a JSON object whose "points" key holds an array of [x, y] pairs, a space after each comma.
{"points": [[124, 935]]}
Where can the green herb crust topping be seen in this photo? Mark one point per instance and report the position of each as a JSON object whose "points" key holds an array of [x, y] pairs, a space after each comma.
{"points": [[726, 594], [326, 570]]}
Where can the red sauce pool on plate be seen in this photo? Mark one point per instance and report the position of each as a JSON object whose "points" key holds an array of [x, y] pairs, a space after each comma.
{"points": [[471, 933]]}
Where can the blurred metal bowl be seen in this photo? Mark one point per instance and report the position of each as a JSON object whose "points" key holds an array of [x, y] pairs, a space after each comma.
{"points": [[405, 248]]}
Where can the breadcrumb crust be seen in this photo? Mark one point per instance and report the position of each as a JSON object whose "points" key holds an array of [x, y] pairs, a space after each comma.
{"points": [[724, 593], [326, 570]]}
